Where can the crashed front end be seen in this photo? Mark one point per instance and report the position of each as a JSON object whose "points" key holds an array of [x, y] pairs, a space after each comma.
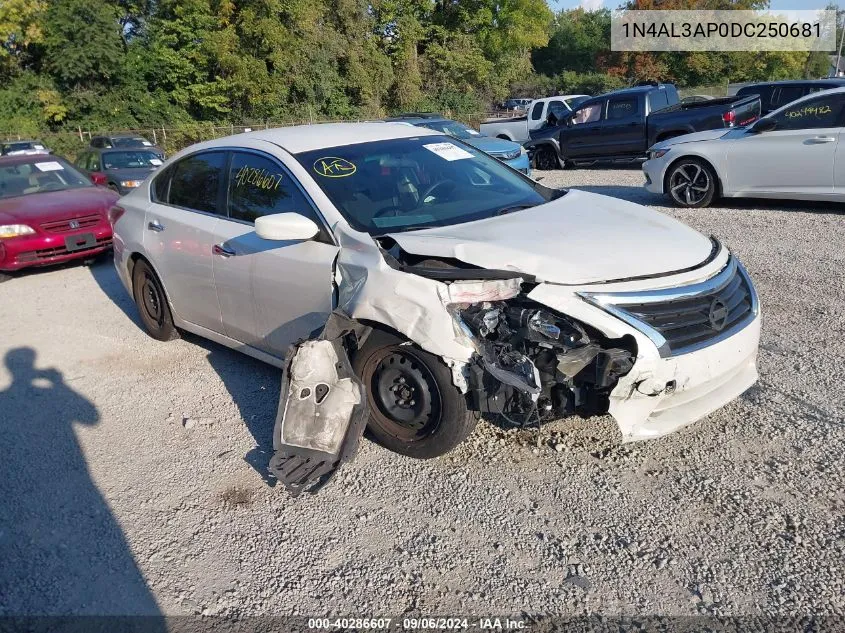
{"points": [[656, 353]]}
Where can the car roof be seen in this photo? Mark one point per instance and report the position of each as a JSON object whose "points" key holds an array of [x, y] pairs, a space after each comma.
{"points": [[304, 138], [20, 159], [839, 81]]}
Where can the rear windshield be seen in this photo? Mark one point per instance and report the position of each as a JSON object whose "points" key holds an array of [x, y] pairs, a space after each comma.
{"points": [[24, 179], [412, 183], [135, 141], [130, 160], [23, 146]]}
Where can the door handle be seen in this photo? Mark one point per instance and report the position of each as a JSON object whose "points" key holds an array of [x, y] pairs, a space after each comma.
{"points": [[822, 139], [156, 226], [222, 250]]}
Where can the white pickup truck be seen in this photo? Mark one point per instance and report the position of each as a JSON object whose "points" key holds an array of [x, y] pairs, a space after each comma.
{"points": [[517, 128]]}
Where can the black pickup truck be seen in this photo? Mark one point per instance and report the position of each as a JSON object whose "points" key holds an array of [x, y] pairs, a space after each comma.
{"points": [[620, 126]]}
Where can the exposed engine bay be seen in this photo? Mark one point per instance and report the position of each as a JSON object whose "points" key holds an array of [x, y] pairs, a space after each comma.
{"points": [[535, 366]]}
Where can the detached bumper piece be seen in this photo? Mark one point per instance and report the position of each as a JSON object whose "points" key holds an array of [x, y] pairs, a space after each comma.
{"points": [[322, 410]]}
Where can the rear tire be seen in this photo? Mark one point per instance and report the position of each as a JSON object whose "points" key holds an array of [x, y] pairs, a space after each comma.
{"points": [[415, 410], [152, 303], [691, 183], [546, 159]]}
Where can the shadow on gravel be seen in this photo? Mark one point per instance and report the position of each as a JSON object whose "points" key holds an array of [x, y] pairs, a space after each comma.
{"points": [[106, 277], [254, 387], [626, 192], [61, 550]]}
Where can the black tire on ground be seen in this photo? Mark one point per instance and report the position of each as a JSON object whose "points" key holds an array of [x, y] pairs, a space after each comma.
{"points": [[152, 303], [545, 159], [4, 277], [415, 409], [691, 183]]}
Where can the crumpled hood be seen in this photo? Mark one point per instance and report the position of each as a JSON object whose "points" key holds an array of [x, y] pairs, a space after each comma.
{"points": [[706, 135], [579, 238], [493, 145]]}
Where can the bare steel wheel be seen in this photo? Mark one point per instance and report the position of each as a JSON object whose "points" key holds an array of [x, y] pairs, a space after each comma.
{"points": [[152, 303], [415, 409], [691, 183], [546, 159]]}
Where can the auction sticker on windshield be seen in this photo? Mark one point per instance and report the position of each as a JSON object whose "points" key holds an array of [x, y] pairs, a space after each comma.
{"points": [[334, 167], [448, 151], [49, 166]]}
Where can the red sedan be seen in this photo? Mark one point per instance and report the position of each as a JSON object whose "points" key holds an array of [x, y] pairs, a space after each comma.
{"points": [[50, 213]]}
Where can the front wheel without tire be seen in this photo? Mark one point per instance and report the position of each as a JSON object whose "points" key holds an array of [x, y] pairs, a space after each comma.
{"points": [[152, 303], [691, 183], [415, 410], [546, 159]]}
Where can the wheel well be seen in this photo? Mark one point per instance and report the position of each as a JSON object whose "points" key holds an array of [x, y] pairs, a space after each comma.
{"points": [[696, 159], [667, 135], [504, 137]]}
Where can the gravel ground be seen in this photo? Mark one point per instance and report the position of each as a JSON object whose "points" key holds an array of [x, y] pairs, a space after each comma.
{"points": [[112, 503]]}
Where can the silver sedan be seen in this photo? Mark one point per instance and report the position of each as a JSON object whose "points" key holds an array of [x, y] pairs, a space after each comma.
{"points": [[796, 152]]}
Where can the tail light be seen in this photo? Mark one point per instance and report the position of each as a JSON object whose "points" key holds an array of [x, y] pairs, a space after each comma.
{"points": [[729, 118], [115, 213]]}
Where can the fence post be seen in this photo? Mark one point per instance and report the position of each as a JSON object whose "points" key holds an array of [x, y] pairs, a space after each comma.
{"points": [[155, 140], [79, 129], [164, 134]]}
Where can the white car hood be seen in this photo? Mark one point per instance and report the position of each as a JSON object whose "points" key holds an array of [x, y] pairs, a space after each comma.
{"points": [[579, 238]]}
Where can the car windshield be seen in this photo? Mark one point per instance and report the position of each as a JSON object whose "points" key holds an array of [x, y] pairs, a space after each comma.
{"points": [[575, 101], [130, 160], [452, 128], [412, 183], [126, 141], [23, 146], [22, 179]]}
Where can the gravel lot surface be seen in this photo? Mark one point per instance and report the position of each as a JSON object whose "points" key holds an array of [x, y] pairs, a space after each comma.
{"points": [[126, 484]]}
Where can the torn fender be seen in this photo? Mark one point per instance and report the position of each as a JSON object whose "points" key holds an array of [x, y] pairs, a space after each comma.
{"points": [[322, 409]]}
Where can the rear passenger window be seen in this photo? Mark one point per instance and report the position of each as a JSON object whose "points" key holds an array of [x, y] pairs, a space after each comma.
{"points": [[622, 108], [261, 186], [658, 100], [161, 186], [195, 181]]}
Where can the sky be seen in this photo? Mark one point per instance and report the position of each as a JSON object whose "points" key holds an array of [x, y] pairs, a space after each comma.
{"points": [[591, 5]]}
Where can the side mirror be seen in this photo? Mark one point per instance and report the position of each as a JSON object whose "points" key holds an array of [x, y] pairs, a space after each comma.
{"points": [[763, 125], [285, 227], [99, 178]]}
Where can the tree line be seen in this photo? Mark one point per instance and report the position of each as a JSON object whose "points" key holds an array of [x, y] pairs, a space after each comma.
{"points": [[128, 64]]}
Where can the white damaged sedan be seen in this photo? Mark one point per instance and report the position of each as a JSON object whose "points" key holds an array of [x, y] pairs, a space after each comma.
{"points": [[406, 280]]}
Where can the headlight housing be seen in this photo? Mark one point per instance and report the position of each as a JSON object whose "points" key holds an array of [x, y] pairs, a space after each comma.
{"points": [[657, 153], [15, 230], [130, 184]]}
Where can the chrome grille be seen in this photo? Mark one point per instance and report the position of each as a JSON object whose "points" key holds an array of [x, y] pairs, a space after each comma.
{"points": [[72, 224], [681, 320]]}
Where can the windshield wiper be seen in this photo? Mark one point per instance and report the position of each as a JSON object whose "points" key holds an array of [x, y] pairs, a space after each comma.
{"points": [[513, 209]]}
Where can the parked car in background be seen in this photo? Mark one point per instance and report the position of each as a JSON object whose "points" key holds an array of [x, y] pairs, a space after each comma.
{"points": [[408, 261], [121, 170], [512, 154], [18, 148], [620, 126], [50, 213], [797, 151], [775, 94], [517, 128], [516, 104], [124, 141]]}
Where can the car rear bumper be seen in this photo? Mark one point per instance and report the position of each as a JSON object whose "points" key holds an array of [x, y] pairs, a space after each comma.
{"points": [[43, 250]]}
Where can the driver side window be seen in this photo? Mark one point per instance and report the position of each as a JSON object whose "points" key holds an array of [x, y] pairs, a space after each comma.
{"points": [[588, 113], [821, 112]]}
